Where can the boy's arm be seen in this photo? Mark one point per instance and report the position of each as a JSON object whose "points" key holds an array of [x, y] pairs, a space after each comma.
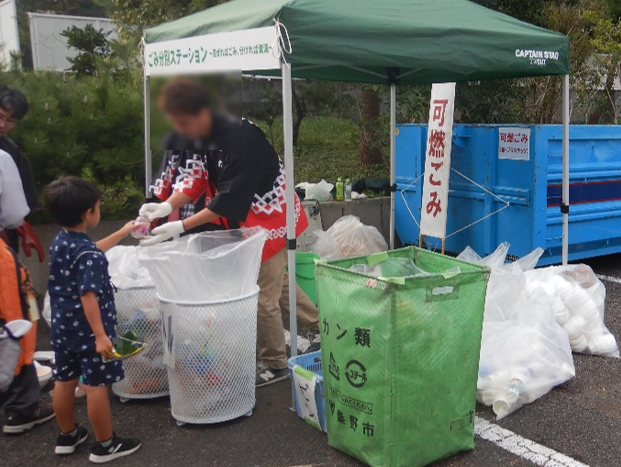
{"points": [[93, 316], [112, 240]]}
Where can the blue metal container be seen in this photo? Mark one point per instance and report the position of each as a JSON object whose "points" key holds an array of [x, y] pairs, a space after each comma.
{"points": [[532, 187]]}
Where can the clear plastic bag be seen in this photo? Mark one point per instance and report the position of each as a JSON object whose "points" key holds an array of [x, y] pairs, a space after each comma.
{"points": [[577, 298], [125, 270], [206, 267], [326, 246], [397, 267], [349, 237], [524, 351], [319, 191]]}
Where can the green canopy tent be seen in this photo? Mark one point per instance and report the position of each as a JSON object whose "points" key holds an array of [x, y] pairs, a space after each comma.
{"points": [[392, 42]]}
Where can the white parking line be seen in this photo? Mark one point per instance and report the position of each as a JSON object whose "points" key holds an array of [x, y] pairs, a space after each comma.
{"points": [[616, 280], [525, 448]]}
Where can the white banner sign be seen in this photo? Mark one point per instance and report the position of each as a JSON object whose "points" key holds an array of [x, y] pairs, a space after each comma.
{"points": [[251, 49], [514, 143], [9, 36], [169, 331], [438, 161]]}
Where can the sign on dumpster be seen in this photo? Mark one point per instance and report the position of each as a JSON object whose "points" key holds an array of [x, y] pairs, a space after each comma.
{"points": [[514, 143], [438, 161]]}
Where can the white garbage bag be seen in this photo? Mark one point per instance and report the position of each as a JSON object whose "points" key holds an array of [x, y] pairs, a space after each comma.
{"points": [[524, 351], [577, 298], [125, 269], [319, 191], [348, 237]]}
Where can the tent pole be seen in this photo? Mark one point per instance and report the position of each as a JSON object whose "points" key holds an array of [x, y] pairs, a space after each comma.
{"points": [[148, 167], [393, 128], [290, 201], [565, 200]]}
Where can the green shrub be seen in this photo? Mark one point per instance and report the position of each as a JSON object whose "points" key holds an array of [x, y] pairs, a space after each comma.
{"points": [[91, 125]]}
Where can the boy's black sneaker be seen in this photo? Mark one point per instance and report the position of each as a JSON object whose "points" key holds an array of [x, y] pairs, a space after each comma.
{"points": [[66, 443], [119, 447], [267, 376], [17, 424]]}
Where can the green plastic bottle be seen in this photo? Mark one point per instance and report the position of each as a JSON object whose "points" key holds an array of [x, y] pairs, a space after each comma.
{"points": [[340, 189]]}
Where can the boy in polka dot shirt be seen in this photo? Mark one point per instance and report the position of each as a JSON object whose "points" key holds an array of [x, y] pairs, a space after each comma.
{"points": [[83, 318]]}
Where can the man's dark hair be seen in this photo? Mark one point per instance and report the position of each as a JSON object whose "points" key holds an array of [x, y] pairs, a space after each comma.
{"points": [[68, 198], [13, 101], [183, 96]]}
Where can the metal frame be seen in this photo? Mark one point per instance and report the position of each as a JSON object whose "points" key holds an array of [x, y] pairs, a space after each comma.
{"points": [[289, 173], [565, 200]]}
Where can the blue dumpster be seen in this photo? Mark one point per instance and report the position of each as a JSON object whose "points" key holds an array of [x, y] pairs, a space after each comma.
{"points": [[530, 182]]}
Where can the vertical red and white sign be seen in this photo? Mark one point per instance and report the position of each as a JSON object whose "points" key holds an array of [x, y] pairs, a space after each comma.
{"points": [[438, 161]]}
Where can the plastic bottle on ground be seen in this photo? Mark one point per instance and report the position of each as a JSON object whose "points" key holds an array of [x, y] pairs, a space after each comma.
{"points": [[502, 407]]}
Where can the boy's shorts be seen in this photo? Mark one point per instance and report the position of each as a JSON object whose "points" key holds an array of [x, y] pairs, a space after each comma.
{"points": [[89, 365]]}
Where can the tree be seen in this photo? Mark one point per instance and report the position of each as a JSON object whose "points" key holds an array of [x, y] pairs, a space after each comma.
{"points": [[61, 7], [91, 43], [370, 138], [134, 16]]}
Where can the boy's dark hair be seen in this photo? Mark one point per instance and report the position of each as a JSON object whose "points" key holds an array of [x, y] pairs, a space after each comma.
{"points": [[183, 96], [13, 101], [68, 198]]}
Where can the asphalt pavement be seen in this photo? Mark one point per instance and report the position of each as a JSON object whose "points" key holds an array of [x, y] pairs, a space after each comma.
{"points": [[580, 419]]}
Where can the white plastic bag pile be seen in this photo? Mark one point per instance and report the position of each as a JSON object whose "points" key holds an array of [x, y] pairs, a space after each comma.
{"points": [[577, 298], [533, 319], [524, 352], [348, 237]]}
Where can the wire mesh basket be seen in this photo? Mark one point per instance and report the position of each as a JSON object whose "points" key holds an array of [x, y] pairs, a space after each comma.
{"points": [[138, 312], [210, 351]]}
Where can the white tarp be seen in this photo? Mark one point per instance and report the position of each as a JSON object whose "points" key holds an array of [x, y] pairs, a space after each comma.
{"points": [[49, 48], [9, 35], [438, 161], [250, 49]]}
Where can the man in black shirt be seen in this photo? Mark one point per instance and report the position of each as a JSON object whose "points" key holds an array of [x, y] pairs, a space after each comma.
{"points": [[238, 162]]}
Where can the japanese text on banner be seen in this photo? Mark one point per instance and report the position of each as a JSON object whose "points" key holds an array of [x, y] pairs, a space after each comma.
{"points": [[251, 49], [438, 161]]}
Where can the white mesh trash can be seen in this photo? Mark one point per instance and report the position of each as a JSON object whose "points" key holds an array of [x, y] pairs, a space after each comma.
{"points": [[138, 312], [210, 351]]}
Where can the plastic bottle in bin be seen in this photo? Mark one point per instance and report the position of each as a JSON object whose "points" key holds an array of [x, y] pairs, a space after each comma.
{"points": [[347, 189]]}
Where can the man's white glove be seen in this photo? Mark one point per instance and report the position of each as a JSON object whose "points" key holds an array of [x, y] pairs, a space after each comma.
{"points": [[164, 232], [152, 211]]}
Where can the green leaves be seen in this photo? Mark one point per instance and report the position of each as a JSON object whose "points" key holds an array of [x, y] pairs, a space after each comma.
{"points": [[91, 124]]}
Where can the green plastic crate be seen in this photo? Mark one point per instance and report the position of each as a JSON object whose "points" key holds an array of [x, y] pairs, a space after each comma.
{"points": [[400, 357]]}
